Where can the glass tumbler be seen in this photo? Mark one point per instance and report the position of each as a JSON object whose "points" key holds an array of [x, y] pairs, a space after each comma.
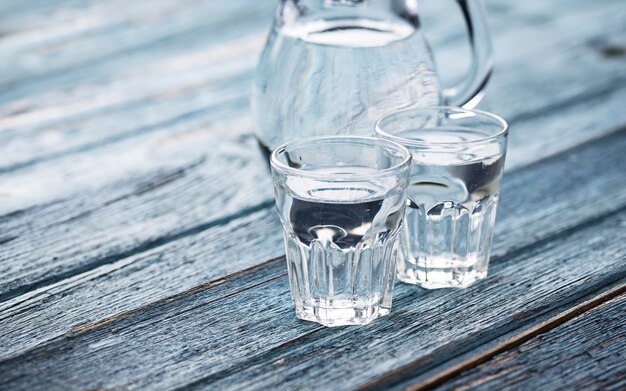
{"points": [[458, 159], [341, 202]]}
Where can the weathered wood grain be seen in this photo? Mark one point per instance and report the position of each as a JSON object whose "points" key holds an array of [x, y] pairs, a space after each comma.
{"points": [[152, 223], [185, 85], [542, 186], [198, 191], [84, 33], [559, 197], [240, 331], [98, 40], [55, 234], [89, 198], [585, 353], [139, 279], [405, 378]]}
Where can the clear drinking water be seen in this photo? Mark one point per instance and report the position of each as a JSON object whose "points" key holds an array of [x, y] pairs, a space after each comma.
{"points": [[452, 197], [341, 227], [367, 67], [338, 252]]}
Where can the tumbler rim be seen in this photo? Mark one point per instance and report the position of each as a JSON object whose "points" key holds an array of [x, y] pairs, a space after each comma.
{"points": [[496, 119], [279, 166]]}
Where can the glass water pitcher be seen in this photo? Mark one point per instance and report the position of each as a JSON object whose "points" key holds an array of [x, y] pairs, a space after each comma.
{"points": [[335, 66]]}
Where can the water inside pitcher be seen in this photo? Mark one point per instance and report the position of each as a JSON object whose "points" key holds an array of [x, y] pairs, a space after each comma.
{"points": [[334, 67]]}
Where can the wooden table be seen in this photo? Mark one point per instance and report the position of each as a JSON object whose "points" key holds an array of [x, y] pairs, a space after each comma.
{"points": [[139, 247]]}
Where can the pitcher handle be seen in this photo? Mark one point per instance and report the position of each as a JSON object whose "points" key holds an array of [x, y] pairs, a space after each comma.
{"points": [[470, 91]]}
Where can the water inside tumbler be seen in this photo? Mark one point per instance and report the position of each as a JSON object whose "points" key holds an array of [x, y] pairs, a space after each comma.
{"points": [[451, 209], [340, 240]]}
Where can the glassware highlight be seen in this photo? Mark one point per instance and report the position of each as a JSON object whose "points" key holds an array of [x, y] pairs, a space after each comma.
{"points": [[369, 57], [341, 202], [458, 160]]}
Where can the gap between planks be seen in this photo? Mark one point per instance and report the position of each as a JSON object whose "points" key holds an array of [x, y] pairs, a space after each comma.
{"points": [[160, 241], [82, 327], [397, 375]]}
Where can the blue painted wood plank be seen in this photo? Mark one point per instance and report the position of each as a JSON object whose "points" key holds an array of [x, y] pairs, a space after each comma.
{"points": [[196, 189], [51, 222], [51, 241], [559, 195], [105, 266], [172, 265], [115, 36], [240, 331], [65, 230], [586, 353], [120, 98]]}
